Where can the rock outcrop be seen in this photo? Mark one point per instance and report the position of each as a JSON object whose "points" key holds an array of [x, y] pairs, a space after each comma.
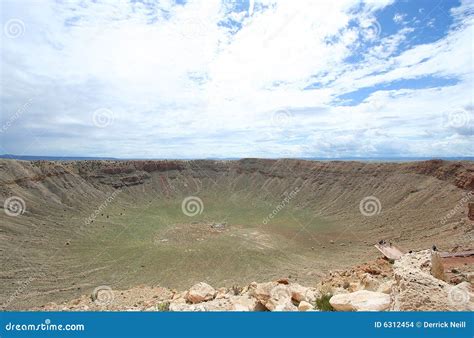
{"points": [[361, 300], [416, 289], [200, 292]]}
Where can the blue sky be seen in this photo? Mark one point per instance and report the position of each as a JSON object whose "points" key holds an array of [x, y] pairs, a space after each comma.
{"points": [[195, 79]]}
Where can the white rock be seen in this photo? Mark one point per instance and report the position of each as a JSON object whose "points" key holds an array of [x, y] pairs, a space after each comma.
{"points": [[280, 299], [369, 283], [222, 293], [305, 306], [244, 303], [262, 291], [386, 287], [361, 300], [298, 292], [285, 306], [240, 307], [186, 307], [200, 292]]}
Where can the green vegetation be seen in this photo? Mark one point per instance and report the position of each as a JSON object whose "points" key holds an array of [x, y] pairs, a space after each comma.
{"points": [[155, 243], [163, 306], [322, 303]]}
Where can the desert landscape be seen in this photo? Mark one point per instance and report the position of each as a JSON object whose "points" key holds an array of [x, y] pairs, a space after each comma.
{"points": [[245, 235]]}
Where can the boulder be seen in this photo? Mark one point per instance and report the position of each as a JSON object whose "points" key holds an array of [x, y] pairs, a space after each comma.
{"points": [[361, 300], [280, 299], [233, 303], [178, 307], [437, 268], [298, 292], [240, 307], [369, 283], [283, 281], [200, 292], [245, 303], [305, 306], [261, 291], [286, 305], [386, 287], [222, 293], [274, 296]]}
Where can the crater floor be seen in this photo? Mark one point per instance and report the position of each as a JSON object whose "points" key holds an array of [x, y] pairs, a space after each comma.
{"points": [[83, 224]]}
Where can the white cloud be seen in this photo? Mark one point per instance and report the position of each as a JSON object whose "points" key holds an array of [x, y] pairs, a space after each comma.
{"points": [[399, 18], [181, 82]]}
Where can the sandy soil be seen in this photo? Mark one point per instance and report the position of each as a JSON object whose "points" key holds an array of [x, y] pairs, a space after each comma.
{"points": [[83, 224]]}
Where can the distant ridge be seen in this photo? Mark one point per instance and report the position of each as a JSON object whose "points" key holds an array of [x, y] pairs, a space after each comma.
{"points": [[359, 159], [52, 158], [393, 159]]}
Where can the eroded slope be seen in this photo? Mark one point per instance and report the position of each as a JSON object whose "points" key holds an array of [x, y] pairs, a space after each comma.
{"points": [[121, 223]]}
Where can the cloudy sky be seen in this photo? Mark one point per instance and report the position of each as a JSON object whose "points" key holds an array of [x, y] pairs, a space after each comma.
{"points": [[195, 79]]}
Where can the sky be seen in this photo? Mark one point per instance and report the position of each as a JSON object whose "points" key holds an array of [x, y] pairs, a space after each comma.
{"points": [[200, 79]]}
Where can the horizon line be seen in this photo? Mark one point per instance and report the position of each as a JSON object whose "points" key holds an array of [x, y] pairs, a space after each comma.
{"points": [[360, 158]]}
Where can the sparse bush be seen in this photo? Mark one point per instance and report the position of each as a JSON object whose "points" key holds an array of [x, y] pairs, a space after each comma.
{"points": [[237, 290], [163, 306], [322, 303]]}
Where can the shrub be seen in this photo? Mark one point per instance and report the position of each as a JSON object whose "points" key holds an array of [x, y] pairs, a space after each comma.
{"points": [[164, 306], [322, 303]]}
